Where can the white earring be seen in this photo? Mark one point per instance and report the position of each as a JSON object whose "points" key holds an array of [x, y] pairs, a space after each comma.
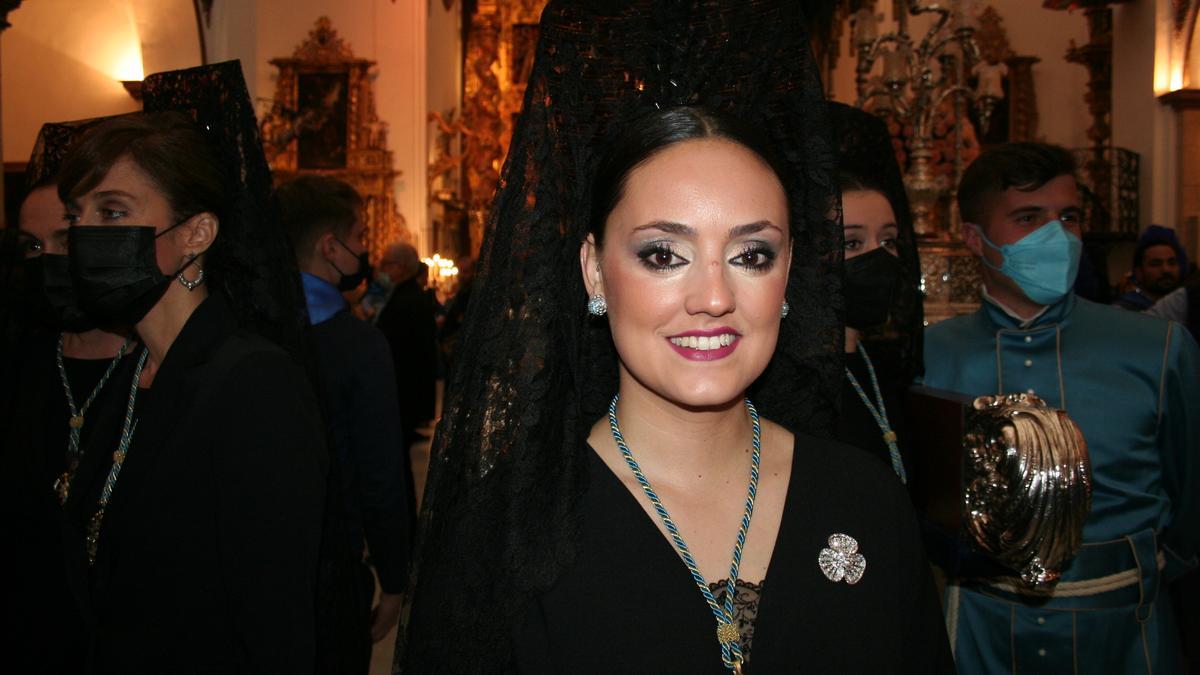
{"points": [[783, 311], [597, 305]]}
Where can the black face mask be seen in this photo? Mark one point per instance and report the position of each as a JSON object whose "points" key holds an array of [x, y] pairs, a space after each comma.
{"points": [[872, 280], [59, 291], [352, 280], [115, 272], [25, 291]]}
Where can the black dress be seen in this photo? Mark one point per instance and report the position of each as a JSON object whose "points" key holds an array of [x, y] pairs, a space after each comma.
{"points": [[42, 629], [629, 605], [208, 553], [856, 425]]}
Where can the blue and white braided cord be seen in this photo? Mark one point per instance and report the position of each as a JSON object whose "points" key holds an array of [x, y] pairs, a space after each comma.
{"points": [[731, 651], [879, 413]]}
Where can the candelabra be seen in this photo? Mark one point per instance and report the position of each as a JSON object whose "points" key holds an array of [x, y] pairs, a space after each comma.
{"points": [[916, 81]]}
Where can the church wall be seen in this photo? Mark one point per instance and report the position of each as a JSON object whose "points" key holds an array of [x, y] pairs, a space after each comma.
{"points": [[444, 77], [63, 59], [1137, 113]]}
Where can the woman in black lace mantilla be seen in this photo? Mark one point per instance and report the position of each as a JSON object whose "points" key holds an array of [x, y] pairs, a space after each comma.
{"points": [[660, 250]]}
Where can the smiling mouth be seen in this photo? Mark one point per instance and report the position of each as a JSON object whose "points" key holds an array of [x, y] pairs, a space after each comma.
{"points": [[706, 345], [704, 342]]}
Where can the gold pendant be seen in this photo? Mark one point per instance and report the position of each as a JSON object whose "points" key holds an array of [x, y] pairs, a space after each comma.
{"points": [[76, 421], [93, 536], [62, 486], [889, 437], [728, 632]]}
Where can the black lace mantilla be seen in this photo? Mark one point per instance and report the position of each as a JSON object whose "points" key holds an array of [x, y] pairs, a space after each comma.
{"points": [[251, 261], [501, 509]]}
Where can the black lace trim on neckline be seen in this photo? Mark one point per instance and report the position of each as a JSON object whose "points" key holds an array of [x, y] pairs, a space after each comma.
{"points": [[746, 596]]}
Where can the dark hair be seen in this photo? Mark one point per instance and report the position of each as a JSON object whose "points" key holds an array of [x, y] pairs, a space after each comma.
{"points": [[167, 147], [854, 181], [651, 133], [1157, 235], [311, 205], [1025, 166]]}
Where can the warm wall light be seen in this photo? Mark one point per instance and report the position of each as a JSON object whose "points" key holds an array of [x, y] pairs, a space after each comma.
{"points": [[128, 65], [128, 68]]}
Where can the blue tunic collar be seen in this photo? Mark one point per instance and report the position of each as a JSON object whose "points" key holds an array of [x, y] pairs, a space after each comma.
{"points": [[1052, 314], [324, 300]]}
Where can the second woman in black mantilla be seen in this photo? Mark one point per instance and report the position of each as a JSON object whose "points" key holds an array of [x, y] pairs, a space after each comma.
{"points": [[192, 541], [884, 305]]}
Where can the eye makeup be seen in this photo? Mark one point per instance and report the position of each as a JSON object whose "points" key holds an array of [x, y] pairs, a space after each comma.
{"points": [[660, 256], [756, 256]]}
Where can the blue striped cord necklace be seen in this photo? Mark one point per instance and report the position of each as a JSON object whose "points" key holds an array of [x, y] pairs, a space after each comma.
{"points": [[879, 413], [62, 485], [727, 631], [127, 429]]}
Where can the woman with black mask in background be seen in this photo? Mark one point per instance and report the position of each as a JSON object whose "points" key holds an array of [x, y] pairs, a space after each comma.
{"points": [[193, 542], [884, 314], [55, 381]]}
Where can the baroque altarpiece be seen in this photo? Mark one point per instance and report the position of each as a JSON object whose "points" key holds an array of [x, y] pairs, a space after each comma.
{"points": [[323, 121]]}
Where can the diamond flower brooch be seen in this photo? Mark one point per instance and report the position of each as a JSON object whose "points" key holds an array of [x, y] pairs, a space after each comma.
{"points": [[842, 561]]}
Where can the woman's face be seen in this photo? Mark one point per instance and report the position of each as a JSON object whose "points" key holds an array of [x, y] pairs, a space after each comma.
{"points": [[127, 196], [41, 218], [694, 267], [869, 223]]}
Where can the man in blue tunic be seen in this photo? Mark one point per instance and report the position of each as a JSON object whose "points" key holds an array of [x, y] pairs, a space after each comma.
{"points": [[1132, 384]]}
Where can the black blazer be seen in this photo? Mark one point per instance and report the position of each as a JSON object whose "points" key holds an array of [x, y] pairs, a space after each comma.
{"points": [[407, 321], [359, 389], [208, 552]]}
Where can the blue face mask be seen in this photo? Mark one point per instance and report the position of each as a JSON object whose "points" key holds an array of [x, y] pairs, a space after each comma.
{"points": [[1043, 263]]}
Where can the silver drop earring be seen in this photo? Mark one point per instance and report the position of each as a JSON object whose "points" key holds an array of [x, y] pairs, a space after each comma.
{"points": [[190, 284], [597, 305], [783, 311]]}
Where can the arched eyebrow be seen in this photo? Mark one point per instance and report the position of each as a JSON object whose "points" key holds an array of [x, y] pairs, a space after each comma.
{"points": [[667, 226], [736, 231], [752, 228]]}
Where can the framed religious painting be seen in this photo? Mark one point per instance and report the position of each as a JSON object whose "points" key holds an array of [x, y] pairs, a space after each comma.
{"points": [[322, 104]]}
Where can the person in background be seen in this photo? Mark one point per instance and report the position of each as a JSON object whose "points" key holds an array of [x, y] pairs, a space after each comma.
{"points": [[321, 216], [192, 542], [884, 309], [1181, 305], [407, 321], [455, 312], [1129, 381], [1159, 263], [59, 379]]}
